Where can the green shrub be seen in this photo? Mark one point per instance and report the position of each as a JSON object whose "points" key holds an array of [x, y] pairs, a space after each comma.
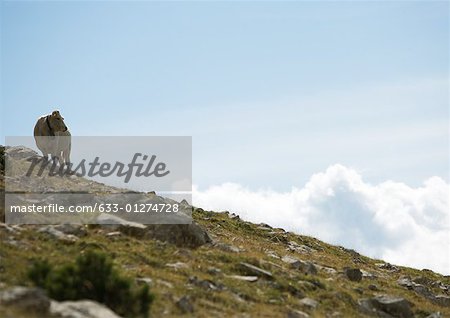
{"points": [[92, 276]]}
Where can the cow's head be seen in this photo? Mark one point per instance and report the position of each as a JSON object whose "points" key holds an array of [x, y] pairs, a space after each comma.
{"points": [[57, 121]]}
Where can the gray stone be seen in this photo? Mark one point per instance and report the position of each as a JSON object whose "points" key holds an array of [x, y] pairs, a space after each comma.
{"points": [[305, 267], [385, 304], [353, 274], [309, 302], [244, 278], [227, 247], [185, 305], [25, 298], [178, 265], [74, 229], [115, 223], [81, 309], [52, 231], [442, 300], [297, 314], [254, 270], [183, 235]]}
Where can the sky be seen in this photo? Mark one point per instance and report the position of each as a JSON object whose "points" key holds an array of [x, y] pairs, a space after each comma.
{"points": [[272, 93]]}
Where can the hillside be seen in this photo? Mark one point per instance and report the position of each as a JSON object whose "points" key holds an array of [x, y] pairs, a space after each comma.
{"points": [[223, 266]]}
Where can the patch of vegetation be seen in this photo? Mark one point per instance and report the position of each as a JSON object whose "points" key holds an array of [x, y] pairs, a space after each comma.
{"points": [[92, 276], [2, 159]]}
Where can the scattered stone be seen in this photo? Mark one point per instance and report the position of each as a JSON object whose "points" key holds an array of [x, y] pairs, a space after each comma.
{"points": [[272, 254], [115, 223], [405, 281], [115, 233], [302, 249], [308, 302], [206, 284], [442, 300], [305, 267], [81, 309], [353, 274], [388, 267], [227, 247], [328, 270], [297, 314], [189, 235], [244, 278], [145, 280], [373, 287], [178, 265], [185, 305], [368, 275], [233, 216], [254, 270], [214, 271], [52, 231], [25, 298], [73, 229], [384, 304]]}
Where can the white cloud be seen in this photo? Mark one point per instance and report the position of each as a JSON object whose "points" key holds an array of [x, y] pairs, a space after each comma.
{"points": [[392, 221]]}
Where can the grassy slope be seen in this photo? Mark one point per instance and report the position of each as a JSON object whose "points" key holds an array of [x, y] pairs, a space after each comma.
{"points": [[263, 298]]}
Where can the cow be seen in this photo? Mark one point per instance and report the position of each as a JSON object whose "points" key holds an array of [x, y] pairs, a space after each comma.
{"points": [[47, 133], [63, 147]]}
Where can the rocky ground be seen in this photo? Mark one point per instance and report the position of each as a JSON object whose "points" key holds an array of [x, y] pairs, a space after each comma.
{"points": [[220, 266]]}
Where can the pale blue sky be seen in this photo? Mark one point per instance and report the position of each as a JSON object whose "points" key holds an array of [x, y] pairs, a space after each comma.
{"points": [[271, 92]]}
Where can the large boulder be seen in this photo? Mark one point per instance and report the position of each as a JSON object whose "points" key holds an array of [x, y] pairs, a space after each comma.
{"points": [[387, 306], [80, 309], [25, 299]]}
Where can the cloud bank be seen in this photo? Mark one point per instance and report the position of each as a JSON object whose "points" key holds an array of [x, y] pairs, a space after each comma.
{"points": [[391, 221]]}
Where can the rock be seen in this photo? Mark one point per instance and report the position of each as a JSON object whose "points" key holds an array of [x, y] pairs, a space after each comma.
{"points": [[183, 235], [227, 247], [205, 284], [244, 278], [388, 267], [185, 304], [145, 280], [254, 270], [299, 248], [308, 302], [328, 270], [305, 267], [368, 275], [373, 287], [353, 274], [115, 223], [405, 281], [19, 152], [25, 299], [178, 265], [233, 216], [112, 234], [73, 229], [384, 304], [214, 271], [442, 300], [52, 231], [297, 314], [81, 309], [435, 315]]}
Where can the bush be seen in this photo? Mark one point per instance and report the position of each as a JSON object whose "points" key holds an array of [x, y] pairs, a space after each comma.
{"points": [[92, 276]]}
